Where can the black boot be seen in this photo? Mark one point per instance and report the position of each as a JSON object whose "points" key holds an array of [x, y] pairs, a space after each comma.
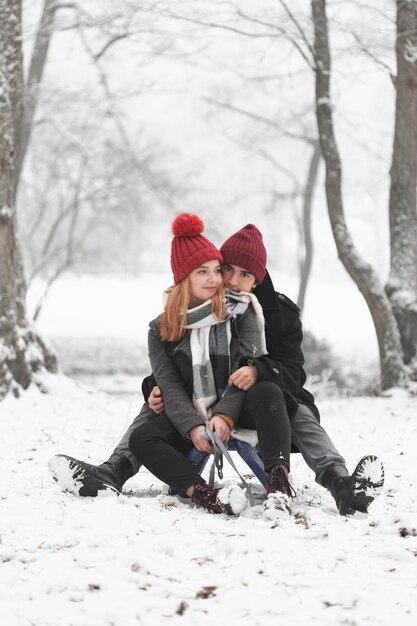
{"points": [[356, 492], [206, 497], [84, 479], [278, 481], [279, 492], [230, 500]]}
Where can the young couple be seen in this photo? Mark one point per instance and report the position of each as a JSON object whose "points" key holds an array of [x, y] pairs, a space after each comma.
{"points": [[225, 350]]}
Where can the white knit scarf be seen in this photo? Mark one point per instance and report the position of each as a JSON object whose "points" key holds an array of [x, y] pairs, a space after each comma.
{"points": [[210, 347]]}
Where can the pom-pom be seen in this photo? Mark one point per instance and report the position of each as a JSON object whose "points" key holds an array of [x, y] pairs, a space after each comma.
{"points": [[187, 225]]}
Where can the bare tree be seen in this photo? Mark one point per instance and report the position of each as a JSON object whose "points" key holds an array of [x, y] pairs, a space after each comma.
{"points": [[85, 199], [305, 192], [60, 209], [36, 70], [402, 282], [308, 193], [22, 352], [393, 370]]}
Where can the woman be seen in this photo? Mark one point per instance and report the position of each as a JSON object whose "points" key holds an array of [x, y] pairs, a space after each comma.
{"points": [[272, 382], [192, 355]]}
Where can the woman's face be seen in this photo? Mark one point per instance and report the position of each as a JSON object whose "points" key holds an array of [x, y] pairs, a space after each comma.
{"points": [[204, 282]]}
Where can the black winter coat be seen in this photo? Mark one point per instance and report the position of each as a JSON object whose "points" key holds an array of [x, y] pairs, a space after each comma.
{"points": [[284, 362]]}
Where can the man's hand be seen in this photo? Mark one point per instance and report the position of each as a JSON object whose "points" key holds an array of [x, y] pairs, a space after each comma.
{"points": [[156, 401], [244, 378], [196, 437], [221, 427]]}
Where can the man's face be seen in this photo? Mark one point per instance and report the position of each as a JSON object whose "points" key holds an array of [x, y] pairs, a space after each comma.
{"points": [[237, 278]]}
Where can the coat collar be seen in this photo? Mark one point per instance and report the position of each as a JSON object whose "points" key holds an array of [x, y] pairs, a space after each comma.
{"points": [[265, 292]]}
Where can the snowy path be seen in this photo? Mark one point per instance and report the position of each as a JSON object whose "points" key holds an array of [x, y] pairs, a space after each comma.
{"points": [[146, 558]]}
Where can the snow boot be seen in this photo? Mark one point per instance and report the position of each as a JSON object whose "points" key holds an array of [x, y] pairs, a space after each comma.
{"points": [[356, 492], [229, 500], [279, 492], [83, 479]]}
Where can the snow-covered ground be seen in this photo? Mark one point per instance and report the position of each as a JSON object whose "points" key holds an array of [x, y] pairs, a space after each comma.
{"points": [[146, 558]]}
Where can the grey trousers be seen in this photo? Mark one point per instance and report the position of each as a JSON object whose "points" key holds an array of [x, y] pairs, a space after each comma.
{"points": [[315, 445], [309, 436], [122, 448]]}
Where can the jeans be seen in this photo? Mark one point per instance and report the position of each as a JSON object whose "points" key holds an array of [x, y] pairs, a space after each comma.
{"points": [[162, 450], [265, 411]]}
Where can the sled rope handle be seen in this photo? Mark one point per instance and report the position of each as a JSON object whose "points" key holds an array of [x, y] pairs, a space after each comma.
{"points": [[220, 449]]}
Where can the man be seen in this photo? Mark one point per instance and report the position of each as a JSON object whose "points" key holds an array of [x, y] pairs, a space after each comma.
{"points": [[245, 270]]}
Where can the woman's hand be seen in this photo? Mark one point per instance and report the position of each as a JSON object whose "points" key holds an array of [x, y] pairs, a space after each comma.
{"points": [[156, 401], [244, 378], [199, 442], [221, 427]]}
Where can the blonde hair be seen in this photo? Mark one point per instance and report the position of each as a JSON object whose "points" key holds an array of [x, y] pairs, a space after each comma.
{"points": [[174, 318]]}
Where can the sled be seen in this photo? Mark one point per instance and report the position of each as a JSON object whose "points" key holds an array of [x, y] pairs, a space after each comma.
{"points": [[247, 450]]}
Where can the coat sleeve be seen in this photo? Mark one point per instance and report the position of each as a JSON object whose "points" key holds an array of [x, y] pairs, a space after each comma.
{"points": [[148, 383], [249, 336], [248, 347], [178, 405], [284, 363]]}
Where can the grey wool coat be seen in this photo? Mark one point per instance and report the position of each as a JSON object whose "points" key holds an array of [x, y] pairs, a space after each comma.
{"points": [[172, 369]]}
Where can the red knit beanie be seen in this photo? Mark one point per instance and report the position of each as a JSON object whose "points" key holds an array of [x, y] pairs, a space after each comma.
{"points": [[189, 248], [246, 249]]}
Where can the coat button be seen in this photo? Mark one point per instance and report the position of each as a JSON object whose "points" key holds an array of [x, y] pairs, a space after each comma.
{"points": [[274, 369], [281, 297]]}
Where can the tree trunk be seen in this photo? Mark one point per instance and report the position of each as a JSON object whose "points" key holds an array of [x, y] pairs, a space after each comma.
{"points": [[393, 371], [402, 282], [36, 69], [308, 240], [22, 352]]}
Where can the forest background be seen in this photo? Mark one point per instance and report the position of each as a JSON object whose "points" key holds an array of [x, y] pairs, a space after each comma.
{"points": [[132, 111]]}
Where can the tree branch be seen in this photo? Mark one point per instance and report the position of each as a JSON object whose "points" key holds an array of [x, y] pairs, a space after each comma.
{"points": [[264, 120]]}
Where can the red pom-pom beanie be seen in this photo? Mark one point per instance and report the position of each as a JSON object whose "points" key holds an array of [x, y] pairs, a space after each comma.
{"points": [[189, 248], [246, 249]]}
